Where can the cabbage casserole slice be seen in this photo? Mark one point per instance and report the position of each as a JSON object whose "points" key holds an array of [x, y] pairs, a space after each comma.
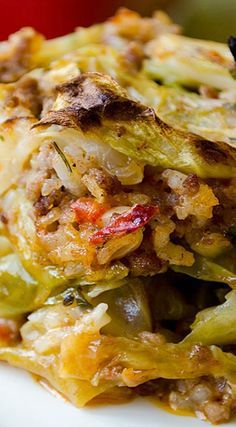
{"points": [[118, 213]]}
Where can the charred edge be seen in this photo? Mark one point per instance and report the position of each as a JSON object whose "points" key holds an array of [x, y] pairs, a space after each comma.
{"points": [[90, 100], [88, 82], [77, 116], [214, 152], [93, 97]]}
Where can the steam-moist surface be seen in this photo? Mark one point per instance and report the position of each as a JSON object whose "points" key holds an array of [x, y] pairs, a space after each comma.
{"points": [[117, 267]]}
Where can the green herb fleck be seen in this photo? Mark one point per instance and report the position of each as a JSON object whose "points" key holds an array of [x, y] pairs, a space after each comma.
{"points": [[62, 155], [68, 297]]}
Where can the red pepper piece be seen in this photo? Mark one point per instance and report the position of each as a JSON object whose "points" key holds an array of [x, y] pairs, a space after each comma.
{"points": [[87, 210], [126, 223], [8, 330]]}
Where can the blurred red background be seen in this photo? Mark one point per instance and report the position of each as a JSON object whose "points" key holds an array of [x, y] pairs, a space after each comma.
{"points": [[53, 17], [210, 19]]}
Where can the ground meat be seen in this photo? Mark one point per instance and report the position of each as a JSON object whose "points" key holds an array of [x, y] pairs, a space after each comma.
{"points": [[207, 397], [45, 203], [26, 92], [105, 182], [142, 263], [216, 412], [15, 60], [40, 171], [224, 215]]}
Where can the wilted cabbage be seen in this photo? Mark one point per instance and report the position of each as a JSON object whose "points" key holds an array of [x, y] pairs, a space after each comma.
{"points": [[221, 269], [215, 325], [103, 188], [64, 346], [128, 309], [101, 108], [190, 62]]}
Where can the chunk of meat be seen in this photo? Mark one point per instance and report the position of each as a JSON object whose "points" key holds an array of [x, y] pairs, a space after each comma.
{"points": [[99, 181], [45, 203], [142, 263], [27, 93]]}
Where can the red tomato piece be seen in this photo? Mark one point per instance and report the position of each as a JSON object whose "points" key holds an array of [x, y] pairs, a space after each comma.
{"points": [[87, 209], [126, 223], [8, 330]]}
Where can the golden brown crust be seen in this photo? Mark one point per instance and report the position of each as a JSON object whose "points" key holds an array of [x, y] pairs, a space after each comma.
{"points": [[215, 152], [90, 98]]}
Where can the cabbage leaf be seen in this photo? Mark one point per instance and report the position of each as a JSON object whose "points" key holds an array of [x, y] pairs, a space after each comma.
{"points": [[17, 288], [73, 373], [215, 325], [190, 62], [221, 269], [81, 362], [19, 291], [208, 117], [96, 105], [26, 279], [128, 308]]}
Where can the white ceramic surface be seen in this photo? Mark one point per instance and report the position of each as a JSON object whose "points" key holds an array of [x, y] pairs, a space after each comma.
{"points": [[24, 403]]}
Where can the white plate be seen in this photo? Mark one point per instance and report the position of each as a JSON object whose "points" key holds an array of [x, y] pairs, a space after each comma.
{"points": [[24, 403]]}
